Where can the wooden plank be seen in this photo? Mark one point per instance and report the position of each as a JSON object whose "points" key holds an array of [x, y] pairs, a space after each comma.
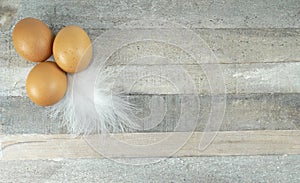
{"points": [[191, 79], [216, 169], [198, 14], [182, 79], [33, 147], [253, 45], [229, 46], [243, 112], [235, 41]]}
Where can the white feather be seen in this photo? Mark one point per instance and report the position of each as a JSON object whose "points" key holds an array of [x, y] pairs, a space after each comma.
{"points": [[90, 106]]}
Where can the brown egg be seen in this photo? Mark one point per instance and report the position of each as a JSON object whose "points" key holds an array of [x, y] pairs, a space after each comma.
{"points": [[33, 39], [46, 84], [72, 49]]}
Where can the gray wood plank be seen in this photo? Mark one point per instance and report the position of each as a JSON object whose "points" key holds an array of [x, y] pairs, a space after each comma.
{"points": [[253, 45], [279, 168], [234, 43], [240, 78], [264, 33], [175, 144], [243, 112], [229, 46], [182, 79], [198, 14]]}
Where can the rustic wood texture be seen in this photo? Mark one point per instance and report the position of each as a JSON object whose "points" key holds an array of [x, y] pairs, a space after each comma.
{"points": [[159, 79], [34, 147], [256, 44], [229, 45], [243, 112], [207, 14], [216, 169]]}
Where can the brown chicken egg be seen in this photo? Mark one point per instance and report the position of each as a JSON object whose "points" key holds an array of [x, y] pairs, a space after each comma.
{"points": [[72, 49], [46, 84], [33, 39]]}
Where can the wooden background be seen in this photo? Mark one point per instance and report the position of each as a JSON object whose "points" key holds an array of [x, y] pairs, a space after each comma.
{"points": [[258, 48], [257, 44]]}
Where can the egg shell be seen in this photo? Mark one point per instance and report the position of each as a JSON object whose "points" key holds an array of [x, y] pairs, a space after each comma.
{"points": [[72, 49], [33, 39], [46, 84]]}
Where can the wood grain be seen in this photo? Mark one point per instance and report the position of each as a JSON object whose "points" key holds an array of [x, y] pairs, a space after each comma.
{"points": [[243, 112], [256, 42], [199, 14], [33, 147], [229, 46], [182, 79]]}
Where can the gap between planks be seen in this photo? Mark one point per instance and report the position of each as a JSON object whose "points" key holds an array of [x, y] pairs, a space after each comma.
{"points": [[226, 143]]}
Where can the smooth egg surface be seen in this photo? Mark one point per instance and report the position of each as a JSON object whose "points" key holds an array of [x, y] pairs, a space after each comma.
{"points": [[46, 84], [33, 39], [72, 49]]}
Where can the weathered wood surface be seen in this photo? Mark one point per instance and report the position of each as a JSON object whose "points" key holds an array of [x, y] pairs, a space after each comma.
{"points": [[198, 14], [243, 112], [183, 79], [248, 31], [229, 46], [34, 147], [220, 169], [274, 43], [256, 42]]}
